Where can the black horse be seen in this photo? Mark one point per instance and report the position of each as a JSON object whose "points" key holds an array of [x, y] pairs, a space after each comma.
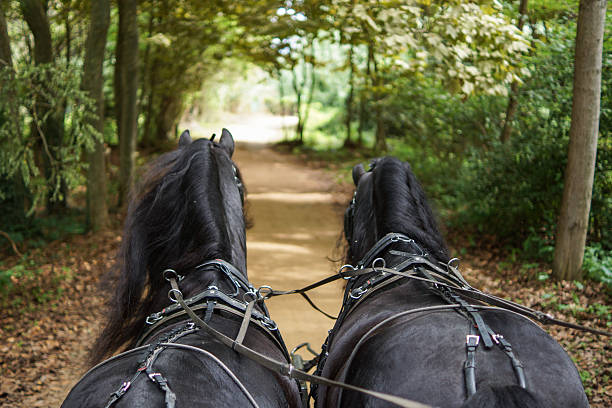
{"points": [[416, 337], [187, 222]]}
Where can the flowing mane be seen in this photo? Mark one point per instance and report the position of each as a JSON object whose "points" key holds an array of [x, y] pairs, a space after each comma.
{"points": [[392, 200], [175, 220]]}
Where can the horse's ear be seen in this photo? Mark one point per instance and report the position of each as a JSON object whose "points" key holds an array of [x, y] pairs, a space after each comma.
{"points": [[185, 138], [227, 141], [358, 171]]}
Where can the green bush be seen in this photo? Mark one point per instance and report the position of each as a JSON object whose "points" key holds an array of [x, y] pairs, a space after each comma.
{"points": [[514, 190]]}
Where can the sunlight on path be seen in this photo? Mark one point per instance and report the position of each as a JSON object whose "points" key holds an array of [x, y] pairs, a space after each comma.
{"points": [[296, 225], [252, 128]]}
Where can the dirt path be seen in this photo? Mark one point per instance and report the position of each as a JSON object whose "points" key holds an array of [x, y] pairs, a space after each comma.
{"points": [[297, 221]]}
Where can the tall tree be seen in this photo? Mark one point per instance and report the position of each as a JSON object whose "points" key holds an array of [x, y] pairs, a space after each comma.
{"points": [[5, 45], [574, 215], [51, 115], [126, 90], [92, 83]]}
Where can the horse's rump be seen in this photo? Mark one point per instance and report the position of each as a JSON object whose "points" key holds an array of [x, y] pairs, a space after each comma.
{"points": [[421, 356]]}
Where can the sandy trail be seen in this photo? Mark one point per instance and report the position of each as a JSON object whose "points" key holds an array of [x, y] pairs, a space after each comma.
{"points": [[297, 221]]}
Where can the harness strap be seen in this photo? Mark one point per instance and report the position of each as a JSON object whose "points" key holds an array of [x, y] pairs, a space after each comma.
{"points": [[469, 367], [162, 383], [283, 368], [482, 327], [210, 308], [244, 325], [516, 363]]}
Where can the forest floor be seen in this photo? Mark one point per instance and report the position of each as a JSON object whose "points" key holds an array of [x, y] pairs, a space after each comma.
{"points": [[297, 211]]}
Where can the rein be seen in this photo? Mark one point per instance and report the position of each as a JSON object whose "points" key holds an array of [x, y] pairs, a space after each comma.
{"points": [[449, 278]]}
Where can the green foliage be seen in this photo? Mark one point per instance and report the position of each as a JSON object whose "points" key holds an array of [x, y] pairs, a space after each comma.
{"points": [[23, 144], [514, 189], [598, 264]]}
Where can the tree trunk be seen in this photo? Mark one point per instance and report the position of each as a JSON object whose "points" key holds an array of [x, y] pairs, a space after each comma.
{"points": [[313, 82], [92, 82], [36, 18], [362, 101], [6, 58], [349, 99], [299, 129], [167, 115], [281, 101], [380, 142], [126, 93], [579, 173], [514, 88], [52, 128], [20, 202]]}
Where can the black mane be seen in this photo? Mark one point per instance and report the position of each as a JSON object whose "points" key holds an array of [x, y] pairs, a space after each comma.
{"points": [[390, 199], [186, 211]]}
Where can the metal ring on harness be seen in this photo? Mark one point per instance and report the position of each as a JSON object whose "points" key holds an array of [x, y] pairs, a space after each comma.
{"points": [[346, 268], [174, 299], [384, 263], [171, 273], [264, 292], [249, 296]]}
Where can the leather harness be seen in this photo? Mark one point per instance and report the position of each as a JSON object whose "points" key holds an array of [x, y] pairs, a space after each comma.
{"points": [[416, 266], [209, 301]]}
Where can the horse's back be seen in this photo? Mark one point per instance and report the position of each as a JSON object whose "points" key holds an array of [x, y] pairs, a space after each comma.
{"points": [[421, 357]]}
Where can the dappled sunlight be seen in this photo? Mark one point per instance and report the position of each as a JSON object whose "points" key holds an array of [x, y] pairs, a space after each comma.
{"points": [[251, 128], [302, 198], [276, 247]]}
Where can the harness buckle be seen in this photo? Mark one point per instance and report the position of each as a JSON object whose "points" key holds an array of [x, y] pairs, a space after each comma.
{"points": [[152, 318], [472, 340], [358, 292], [175, 292], [171, 273], [269, 324], [121, 391]]}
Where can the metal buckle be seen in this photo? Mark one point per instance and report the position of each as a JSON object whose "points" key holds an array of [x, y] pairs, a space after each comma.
{"points": [[249, 296], [269, 324], [358, 292], [168, 274], [472, 340], [125, 386], [153, 375], [384, 263], [152, 318]]}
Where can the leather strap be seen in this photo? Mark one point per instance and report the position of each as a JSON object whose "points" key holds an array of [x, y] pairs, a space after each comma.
{"points": [[284, 368], [469, 367], [245, 324]]}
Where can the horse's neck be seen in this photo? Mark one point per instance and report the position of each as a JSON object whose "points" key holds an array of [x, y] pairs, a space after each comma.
{"points": [[209, 276]]}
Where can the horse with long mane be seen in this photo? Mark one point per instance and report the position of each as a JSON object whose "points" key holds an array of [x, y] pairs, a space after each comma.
{"points": [[404, 330], [186, 224]]}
